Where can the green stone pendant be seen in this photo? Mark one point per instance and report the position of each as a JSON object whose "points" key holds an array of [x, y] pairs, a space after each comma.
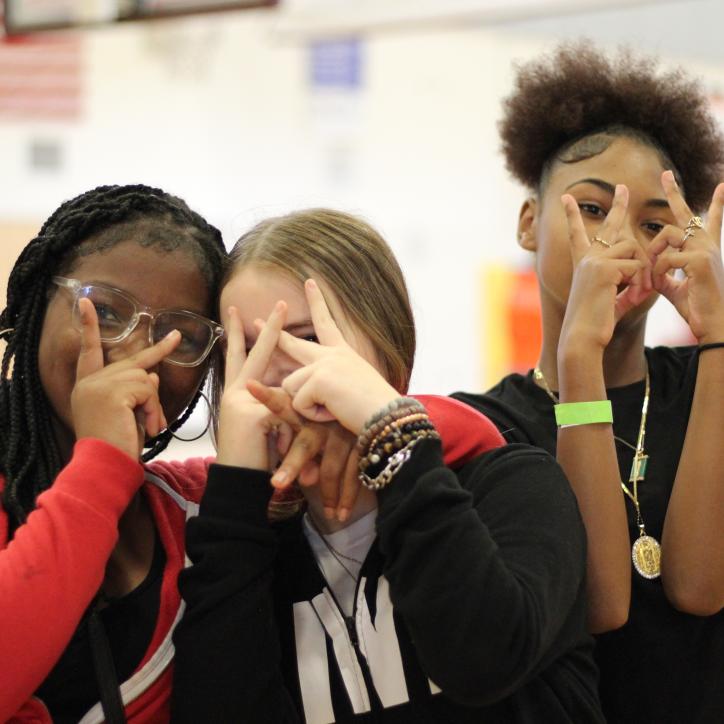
{"points": [[638, 468]]}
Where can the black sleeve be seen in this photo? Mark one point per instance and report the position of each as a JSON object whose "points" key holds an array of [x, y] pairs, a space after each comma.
{"points": [[499, 413], [486, 568], [227, 664]]}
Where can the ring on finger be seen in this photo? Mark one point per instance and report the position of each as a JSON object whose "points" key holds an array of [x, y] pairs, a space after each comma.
{"points": [[694, 223], [597, 238]]}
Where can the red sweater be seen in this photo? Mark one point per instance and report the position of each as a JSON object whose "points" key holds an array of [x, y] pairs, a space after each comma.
{"points": [[55, 564]]}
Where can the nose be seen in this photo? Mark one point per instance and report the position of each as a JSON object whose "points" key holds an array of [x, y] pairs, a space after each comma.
{"points": [[629, 229]]}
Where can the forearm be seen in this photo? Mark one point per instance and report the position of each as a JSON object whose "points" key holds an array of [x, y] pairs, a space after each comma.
{"points": [[56, 562], [484, 581], [693, 538], [587, 455]]}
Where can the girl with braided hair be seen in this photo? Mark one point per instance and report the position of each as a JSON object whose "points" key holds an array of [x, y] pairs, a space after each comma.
{"points": [[620, 159], [93, 372], [110, 331]]}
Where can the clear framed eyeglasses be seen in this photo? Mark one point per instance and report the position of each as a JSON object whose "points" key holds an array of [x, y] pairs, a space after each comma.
{"points": [[119, 314]]}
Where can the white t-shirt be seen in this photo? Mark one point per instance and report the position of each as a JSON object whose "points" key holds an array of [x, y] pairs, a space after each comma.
{"points": [[341, 565]]}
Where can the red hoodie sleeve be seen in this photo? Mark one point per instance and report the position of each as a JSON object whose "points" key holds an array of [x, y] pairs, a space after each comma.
{"points": [[464, 435], [55, 564]]}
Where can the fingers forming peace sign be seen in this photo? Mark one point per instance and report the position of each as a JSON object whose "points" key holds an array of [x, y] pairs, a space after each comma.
{"points": [[611, 273], [335, 474], [694, 247], [335, 382], [118, 402], [250, 434]]}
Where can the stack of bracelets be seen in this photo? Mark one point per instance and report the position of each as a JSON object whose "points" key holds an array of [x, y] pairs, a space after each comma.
{"points": [[386, 441]]}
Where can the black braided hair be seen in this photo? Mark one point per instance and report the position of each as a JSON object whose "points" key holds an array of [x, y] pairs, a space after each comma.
{"points": [[98, 219], [562, 100]]}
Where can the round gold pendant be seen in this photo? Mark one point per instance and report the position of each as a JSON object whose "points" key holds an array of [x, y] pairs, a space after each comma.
{"points": [[646, 556]]}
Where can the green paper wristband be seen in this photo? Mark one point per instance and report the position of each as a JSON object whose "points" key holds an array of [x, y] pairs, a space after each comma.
{"points": [[569, 414]]}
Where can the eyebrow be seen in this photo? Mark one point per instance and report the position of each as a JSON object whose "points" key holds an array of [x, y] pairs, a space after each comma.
{"points": [[611, 189]]}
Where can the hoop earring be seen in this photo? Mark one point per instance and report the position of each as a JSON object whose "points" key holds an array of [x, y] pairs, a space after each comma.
{"points": [[203, 432]]}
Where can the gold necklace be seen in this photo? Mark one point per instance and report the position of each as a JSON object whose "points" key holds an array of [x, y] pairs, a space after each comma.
{"points": [[646, 550]]}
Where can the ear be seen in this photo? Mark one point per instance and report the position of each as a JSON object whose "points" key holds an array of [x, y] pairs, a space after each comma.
{"points": [[527, 223]]}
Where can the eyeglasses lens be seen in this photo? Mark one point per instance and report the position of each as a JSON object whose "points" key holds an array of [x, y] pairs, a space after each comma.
{"points": [[195, 335], [115, 312], [117, 316]]}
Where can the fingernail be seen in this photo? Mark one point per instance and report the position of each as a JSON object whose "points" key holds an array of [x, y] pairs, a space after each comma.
{"points": [[328, 513], [280, 477], [311, 284], [172, 333], [342, 514]]}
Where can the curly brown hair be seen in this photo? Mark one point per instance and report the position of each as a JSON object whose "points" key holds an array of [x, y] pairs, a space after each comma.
{"points": [[561, 101]]}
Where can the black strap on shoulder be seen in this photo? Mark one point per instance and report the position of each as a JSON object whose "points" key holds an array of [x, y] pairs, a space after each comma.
{"points": [[105, 670]]}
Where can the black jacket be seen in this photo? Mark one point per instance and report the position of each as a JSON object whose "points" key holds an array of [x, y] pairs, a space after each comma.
{"points": [[663, 666], [475, 582]]}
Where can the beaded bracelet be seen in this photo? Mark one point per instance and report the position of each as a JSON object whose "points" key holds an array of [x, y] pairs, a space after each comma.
{"points": [[396, 425], [387, 439], [394, 463], [393, 410], [395, 440]]}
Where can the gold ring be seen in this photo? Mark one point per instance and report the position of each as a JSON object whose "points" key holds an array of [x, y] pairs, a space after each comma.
{"points": [[602, 241], [694, 223]]}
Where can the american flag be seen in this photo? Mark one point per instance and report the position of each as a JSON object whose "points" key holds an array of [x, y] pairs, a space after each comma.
{"points": [[41, 76]]}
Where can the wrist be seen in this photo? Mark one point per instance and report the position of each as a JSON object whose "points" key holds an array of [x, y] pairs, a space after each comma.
{"points": [[580, 375], [374, 405], [242, 449], [581, 337]]}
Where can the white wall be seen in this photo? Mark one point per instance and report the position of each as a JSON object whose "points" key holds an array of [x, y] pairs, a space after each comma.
{"points": [[219, 110]]}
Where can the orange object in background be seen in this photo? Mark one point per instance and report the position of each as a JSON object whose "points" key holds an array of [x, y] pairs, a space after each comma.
{"points": [[524, 321], [510, 322]]}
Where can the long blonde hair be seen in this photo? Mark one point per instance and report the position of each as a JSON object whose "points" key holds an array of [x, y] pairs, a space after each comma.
{"points": [[356, 263]]}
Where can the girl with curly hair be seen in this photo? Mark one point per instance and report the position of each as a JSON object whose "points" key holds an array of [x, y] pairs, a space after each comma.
{"points": [[620, 159]]}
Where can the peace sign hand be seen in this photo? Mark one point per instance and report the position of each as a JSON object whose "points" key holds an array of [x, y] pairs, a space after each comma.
{"points": [[322, 454], [249, 434], [335, 381], [119, 402], [696, 250], [611, 275]]}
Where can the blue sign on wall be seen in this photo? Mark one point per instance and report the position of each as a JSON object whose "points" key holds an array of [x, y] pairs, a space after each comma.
{"points": [[336, 63]]}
